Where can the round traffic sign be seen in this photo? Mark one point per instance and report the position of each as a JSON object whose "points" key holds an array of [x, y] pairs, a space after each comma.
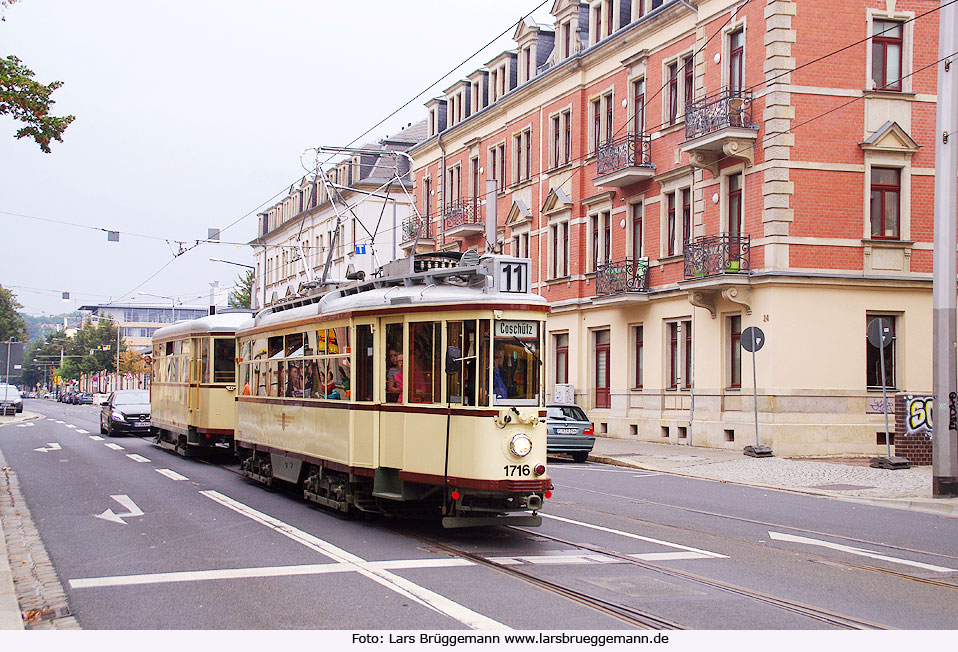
{"points": [[877, 328], [753, 339]]}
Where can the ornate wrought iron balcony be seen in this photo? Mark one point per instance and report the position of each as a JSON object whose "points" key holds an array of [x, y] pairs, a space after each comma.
{"points": [[627, 275], [462, 215], [624, 161], [416, 226], [730, 108], [712, 255]]}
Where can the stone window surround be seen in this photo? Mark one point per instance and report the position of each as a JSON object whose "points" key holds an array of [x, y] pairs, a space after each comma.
{"points": [[907, 47]]}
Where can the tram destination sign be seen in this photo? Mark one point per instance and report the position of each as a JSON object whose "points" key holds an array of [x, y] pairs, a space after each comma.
{"points": [[520, 329]]}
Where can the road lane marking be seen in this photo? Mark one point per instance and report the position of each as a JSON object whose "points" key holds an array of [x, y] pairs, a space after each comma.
{"points": [[263, 571], [137, 458], [28, 424], [779, 536], [115, 447], [96, 438], [704, 553], [672, 556], [419, 594], [69, 425], [125, 501], [171, 474], [53, 446], [82, 431]]}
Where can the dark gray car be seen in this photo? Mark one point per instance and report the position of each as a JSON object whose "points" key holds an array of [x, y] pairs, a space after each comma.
{"points": [[569, 431], [127, 410]]}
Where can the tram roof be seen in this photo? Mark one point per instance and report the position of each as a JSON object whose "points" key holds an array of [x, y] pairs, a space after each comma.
{"points": [[433, 287], [227, 321]]}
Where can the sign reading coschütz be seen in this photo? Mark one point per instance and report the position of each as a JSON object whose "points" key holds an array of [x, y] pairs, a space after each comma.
{"points": [[520, 329]]}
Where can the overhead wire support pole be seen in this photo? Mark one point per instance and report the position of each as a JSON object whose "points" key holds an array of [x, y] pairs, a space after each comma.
{"points": [[945, 287]]}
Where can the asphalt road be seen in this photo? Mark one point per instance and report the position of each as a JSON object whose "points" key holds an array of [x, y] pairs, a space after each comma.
{"points": [[212, 550]]}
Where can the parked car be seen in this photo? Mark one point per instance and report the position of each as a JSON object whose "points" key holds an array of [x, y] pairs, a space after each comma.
{"points": [[568, 430], [85, 399], [127, 410], [10, 400]]}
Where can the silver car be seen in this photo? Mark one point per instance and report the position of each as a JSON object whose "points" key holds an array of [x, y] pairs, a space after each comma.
{"points": [[10, 400], [569, 431]]}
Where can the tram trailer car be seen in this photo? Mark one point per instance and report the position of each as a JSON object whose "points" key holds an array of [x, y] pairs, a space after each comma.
{"points": [[193, 392], [419, 393]]}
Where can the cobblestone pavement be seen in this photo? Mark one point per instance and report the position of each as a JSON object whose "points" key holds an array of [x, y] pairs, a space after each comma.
{"points": [[42, 600]]}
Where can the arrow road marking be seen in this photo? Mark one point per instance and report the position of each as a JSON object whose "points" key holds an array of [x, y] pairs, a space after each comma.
{"points": [[778, 536], [115, 447], [125, 501], [53, 446], [171, 474], [137, 458]]}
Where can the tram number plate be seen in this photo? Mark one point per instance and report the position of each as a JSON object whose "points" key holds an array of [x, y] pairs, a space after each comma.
{"points": [[514, 276], [513, 470]]}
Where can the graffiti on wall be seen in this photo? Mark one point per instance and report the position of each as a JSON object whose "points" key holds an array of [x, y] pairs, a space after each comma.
{"points": [[880, 406], [918, 411]]}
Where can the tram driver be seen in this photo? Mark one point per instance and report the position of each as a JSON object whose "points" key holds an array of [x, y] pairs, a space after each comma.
{"points": [[501, 378]]}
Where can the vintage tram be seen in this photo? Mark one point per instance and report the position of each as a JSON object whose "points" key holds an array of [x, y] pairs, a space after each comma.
{"points": [[193, 391], [418, 393]]}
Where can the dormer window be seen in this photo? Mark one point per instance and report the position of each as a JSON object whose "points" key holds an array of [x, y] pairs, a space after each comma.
{"points": [[527, 53], [566, 39]]}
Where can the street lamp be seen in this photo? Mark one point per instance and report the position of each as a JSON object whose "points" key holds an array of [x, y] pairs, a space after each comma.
{"points": [[230, 262]]}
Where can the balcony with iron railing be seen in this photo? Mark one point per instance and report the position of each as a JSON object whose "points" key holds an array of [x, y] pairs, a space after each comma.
{"points": [[714, 255], [622, 277], [720, 125], [415, 227], [462, 217], [624, 161]]}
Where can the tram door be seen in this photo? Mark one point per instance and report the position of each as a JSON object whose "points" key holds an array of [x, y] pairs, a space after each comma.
{"points": [[393, 386], [197, 360]]}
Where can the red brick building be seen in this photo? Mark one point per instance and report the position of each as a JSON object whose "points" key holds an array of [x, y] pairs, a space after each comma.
{"points": [[682, 170]]}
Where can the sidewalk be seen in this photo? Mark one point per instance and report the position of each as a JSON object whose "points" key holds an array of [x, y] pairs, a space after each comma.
{"points": [[10, 616], [847, 479]]}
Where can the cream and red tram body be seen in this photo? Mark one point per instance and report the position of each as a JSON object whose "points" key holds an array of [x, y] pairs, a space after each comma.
{"points": [[417, 393], [193, 390]]}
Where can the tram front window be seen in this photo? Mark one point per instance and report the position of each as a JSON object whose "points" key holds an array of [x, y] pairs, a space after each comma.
{"points": [[515, 363]]}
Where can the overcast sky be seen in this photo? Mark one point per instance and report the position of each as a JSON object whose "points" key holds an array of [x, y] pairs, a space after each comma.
{"points": [[191, 115]]}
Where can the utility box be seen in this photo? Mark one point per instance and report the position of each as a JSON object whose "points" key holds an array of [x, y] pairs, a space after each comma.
{"points": [[564, 393]]}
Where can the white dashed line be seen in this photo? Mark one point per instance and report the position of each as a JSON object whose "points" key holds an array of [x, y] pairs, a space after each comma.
{"points": [[69, 425], [137, 458], [96, 438], [82, 431], [115, 447], [171, 474]]}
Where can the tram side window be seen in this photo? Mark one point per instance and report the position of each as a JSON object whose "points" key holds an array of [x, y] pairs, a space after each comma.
{"points": [[275, 373], [484, 342], [424, 349], [364, 362], [394, 363], [169, 348], [294, 366], [461, 362], [224, 364]]}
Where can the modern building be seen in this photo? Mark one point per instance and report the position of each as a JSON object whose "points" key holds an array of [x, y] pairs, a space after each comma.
{"points": [[138, 321], [373, 195], [681, 170]]}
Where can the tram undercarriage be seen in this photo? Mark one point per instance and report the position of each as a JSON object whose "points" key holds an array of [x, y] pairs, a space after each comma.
{"points": [[387, 495]]}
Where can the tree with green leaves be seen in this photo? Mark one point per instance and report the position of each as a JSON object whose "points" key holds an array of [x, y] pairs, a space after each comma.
{"points": [[92, 349], [12, 326], [29, 101], [242, 292]]}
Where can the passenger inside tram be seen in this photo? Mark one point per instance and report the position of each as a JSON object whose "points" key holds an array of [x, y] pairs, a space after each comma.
{"points": [[501, 378], [393, 389]]}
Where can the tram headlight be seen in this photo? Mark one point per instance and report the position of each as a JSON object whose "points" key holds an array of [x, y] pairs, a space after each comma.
{"points": [[520, 445]]}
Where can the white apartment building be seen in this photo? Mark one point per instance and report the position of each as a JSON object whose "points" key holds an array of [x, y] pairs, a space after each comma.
{"points": [[374, 210]]}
